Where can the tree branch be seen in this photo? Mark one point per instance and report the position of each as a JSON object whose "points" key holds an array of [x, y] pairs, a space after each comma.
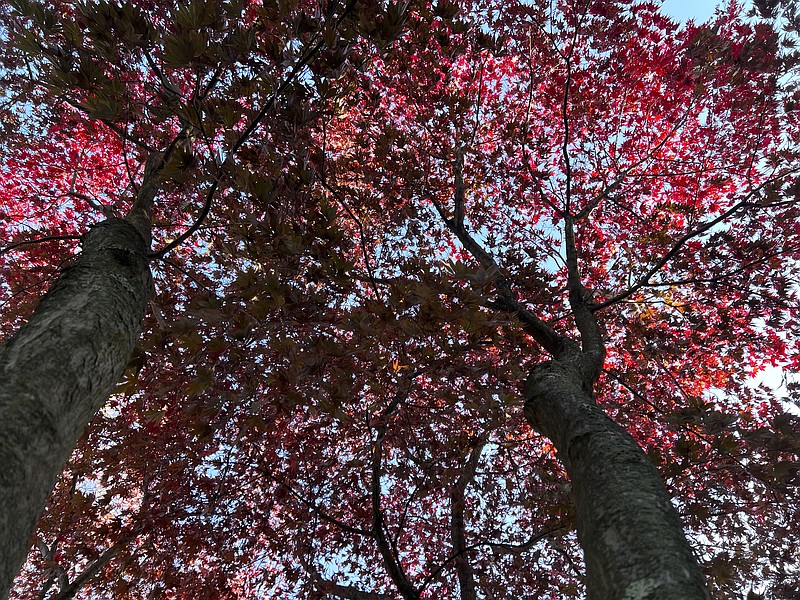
{"points": [[93, 569], [251, 128], [614, 185], [388, 553], [348, 592], [310, 504], [644, 280], [502, 547], [540, 331], [579, 301], [466, 577], [48, 238], [361, 232]]}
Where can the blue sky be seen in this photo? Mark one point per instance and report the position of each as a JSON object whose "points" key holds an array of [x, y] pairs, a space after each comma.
{"points": [[683, 10], [700, 10]]}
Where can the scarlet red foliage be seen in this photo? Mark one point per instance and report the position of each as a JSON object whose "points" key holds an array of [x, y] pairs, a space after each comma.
{"points": [[327, 397]]}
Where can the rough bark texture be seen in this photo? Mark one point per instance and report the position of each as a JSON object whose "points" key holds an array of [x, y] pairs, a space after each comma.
{"points": [[632, 538], [59, 369]]}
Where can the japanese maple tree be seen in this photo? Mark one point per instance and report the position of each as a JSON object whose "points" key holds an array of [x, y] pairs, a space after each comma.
{"points": [[450, 299]]}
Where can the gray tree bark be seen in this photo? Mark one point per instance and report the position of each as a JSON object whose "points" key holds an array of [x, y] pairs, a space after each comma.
{"points": [[632, 537], [60, 368]]}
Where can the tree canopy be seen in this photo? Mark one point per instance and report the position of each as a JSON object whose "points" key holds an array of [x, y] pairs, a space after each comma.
{"points": [[370, 222]]}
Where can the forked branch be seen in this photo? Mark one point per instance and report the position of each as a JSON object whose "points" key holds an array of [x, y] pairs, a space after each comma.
{"points": [[506, 300]]}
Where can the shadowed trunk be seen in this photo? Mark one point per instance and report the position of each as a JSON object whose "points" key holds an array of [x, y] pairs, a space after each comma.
{"points": [[59, 369], [632, 538], [458, 536]]}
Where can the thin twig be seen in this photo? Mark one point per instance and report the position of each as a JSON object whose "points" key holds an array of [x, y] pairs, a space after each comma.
{"points": [[361, 232], [742, 205], [48, 238]]}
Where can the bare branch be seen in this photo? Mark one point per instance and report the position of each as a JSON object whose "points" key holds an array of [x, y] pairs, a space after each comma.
{"points": [[310, 504], [389, 553], [502, 547], [93, 569], [644, 280], [48, 238], [466, 577], [507, 300]]}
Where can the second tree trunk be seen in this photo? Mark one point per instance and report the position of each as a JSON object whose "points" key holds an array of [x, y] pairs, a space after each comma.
{"points": [[59, 369]]}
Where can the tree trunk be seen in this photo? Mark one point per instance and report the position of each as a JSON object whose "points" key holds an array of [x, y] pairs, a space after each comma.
{"points": [[59, 369], [632, 538]]}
